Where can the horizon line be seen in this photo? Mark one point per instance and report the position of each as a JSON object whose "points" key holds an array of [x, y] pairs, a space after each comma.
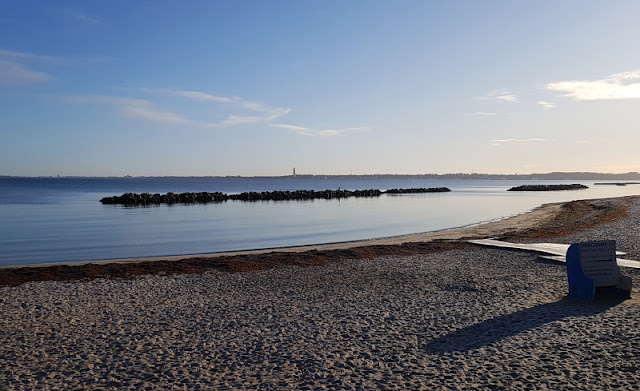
{"points": [[582, 173]]}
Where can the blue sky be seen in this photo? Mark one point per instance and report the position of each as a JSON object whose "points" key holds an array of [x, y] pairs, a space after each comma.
{"points": [[259, 87]]}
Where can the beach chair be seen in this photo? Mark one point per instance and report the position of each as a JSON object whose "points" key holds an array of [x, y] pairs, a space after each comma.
{"points": [[592, 266]]}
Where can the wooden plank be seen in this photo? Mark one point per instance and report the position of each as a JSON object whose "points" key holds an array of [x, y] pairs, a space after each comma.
{"points": [[552, 251]]}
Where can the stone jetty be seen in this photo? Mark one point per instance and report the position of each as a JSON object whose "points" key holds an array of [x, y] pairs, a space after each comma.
{"points": [[616, 183], [418, 190], [135, 199], [548, 187], [169, 198]]}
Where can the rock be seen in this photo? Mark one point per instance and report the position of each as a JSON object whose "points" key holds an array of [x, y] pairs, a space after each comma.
{"points": [[133, 199], [418, 190], [548, 187]]}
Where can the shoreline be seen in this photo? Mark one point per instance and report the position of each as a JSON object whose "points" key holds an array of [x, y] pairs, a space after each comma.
{"points": [[496, 227], [542, 223], [444, 314]]}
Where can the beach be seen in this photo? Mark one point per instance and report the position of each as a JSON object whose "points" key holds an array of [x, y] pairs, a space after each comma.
{"points": [[426, 311]]}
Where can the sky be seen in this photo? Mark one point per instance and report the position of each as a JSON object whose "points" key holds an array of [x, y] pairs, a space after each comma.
{"points": [[251, 88]]}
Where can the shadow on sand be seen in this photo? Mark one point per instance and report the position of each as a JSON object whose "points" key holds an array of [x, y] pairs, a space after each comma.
{"points": [[496, 329]]}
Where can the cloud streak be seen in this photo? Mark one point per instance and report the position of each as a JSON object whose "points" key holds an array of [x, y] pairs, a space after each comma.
{"points": [[320, 133], [624, 85], [499, 95], [148, 112], [267, 113], [81, 17], [254, 113], [480, 114], [136, 108], [16, 73], [547, 105], [193, 95], [14, 68], [23, 56], [520, 141]]}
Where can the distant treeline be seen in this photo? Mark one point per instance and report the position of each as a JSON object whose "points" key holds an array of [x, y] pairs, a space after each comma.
{"points": [[543, 176], [629, 176], [206, 197]]}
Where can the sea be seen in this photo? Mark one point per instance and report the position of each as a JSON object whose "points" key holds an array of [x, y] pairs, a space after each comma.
{"points": [[51, 220]]}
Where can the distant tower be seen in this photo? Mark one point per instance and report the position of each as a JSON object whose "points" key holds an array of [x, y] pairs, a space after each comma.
{"points": [[294, 171]]}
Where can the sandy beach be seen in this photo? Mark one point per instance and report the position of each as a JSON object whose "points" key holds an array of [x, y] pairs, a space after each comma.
{"points": [[425, 311]]}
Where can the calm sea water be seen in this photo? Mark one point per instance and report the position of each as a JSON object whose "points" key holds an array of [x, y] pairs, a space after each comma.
{"points": [[46, 220]]}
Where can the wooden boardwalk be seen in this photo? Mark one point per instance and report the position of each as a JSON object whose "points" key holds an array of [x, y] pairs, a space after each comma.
{"points": [[552, 251]]}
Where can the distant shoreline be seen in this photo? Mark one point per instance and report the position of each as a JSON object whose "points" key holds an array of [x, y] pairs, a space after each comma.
{"points": [[474, 176]]}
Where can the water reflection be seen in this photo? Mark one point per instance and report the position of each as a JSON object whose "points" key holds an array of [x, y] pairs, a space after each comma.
{"points": [[77, 227]]}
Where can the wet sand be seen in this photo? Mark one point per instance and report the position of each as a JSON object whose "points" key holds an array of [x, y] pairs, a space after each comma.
{"points": [[412, 314]]}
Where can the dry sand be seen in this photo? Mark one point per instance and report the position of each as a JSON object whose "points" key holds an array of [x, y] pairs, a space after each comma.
{"points": [[461, 319]]}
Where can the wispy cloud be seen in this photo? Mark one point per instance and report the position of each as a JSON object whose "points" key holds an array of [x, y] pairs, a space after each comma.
{"points": [[480, 113], [194, 95], [547, 105], [146, 109], [624, 85], [148, 112], [267, 116], [233, 120], [78, 16], [499, 95], [16, 73], [320, 133], [136, 108], [12, 55], [520, 141], [15, 67], [267, 113], [106, 99]]}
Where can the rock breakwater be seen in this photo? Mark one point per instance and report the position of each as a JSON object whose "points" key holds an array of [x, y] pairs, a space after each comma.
{"points": [[574, 186], [132, 199], [419, 190]]}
